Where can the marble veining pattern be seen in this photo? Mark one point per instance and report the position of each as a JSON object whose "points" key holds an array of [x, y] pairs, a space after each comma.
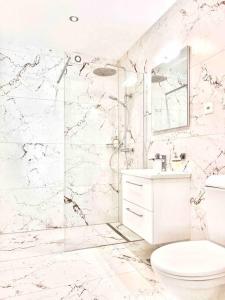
{"points": [[28, 75], [31, 144], [91, 162], [111, 272], [199, 24]]}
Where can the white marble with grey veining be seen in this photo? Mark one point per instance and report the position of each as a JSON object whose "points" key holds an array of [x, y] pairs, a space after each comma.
{"points": [[30, 74], [31, 209], [26, 244], [86, 205], [26, 120], [83, 237], [198, 24], [112, 272], [31, 165], [91, 162], [32, 141]]}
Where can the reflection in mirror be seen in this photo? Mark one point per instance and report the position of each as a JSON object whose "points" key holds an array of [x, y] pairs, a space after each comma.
{"points": [[169, 93]]}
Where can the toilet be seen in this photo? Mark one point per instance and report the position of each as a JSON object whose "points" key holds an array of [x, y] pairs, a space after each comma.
{"points": [[195, 270]]}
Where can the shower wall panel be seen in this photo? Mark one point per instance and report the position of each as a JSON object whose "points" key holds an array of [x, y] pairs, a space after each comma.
{"points": [[31, 140], [91, 161]]}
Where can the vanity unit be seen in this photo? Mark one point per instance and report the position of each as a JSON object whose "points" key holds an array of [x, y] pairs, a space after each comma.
{"points": [[156, 206]]}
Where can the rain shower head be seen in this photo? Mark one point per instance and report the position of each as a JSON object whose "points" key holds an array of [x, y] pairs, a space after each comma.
{"points": [[104, 72], [158, 78]]}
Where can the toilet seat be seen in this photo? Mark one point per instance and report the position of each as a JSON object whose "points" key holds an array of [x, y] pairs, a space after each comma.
{"points": [[190, 260]]}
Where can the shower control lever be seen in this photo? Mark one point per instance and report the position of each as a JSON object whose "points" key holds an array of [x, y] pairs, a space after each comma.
{"points": [[127, 150]]}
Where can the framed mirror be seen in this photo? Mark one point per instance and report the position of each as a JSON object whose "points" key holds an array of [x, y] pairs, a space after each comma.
{"points": [[170, 93]]}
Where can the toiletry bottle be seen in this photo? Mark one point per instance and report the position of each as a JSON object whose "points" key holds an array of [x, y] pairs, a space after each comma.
{"points": [[175, 162], [178, 162], [158, 163]]}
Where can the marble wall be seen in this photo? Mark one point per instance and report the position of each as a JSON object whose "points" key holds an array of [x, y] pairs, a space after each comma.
{"points": [[199, 24], [58, 166], [91, 161], [31, 140]]}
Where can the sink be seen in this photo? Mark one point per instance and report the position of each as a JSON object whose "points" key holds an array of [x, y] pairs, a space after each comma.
{"points": [[151, 173]]}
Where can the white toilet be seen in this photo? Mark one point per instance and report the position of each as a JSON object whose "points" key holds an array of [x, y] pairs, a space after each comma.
{"points": [[195, 270]]}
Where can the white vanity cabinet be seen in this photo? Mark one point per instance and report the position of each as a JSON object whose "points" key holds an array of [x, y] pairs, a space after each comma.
{"points": [[156, 206]]}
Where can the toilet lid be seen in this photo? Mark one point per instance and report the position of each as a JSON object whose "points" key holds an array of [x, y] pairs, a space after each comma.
{"points": [[190, 259]]}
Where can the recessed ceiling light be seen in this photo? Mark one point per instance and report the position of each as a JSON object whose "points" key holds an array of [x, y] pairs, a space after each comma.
{"points": [[74, 18]]}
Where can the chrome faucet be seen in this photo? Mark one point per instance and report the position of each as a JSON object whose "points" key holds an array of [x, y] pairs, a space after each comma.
{"points": [[164, 163]]}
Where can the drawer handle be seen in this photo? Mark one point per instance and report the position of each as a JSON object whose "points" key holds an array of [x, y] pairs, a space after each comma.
{"points": [[134, 183], [131, 211]]}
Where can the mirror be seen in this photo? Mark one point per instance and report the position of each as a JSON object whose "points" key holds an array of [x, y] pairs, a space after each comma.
{"points": [[170, 93]]}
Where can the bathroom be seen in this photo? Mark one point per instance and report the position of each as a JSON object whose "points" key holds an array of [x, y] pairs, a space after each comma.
{"points": [[105, 183]]}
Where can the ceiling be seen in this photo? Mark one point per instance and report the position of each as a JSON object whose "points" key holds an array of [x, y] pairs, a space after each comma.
{"points": [[106, 28]]}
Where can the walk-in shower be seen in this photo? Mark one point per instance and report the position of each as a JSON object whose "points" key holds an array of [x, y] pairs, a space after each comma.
{"points": [[99, 141]]}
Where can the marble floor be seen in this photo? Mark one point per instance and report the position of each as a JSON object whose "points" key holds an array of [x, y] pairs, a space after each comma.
{"points": [[117, 270], [97, 235]]}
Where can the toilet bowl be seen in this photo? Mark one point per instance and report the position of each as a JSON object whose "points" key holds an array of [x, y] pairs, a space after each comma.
{"points": [[191, 270], [195, 270]]}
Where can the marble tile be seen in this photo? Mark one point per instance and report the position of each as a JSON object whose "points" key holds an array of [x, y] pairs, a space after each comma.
{"points": [[86, 205], [208, 84], [98, 272], [31, 165], [126, 286], [90, 236], [81, 81], [91, 123], [46, 272], [31, 209], [200, 25], [28, 244], [91, 106], [197, 24], [135, 101], [110, 235], [90, 164], [51, 271], [30, 75], [83, 237], [24, 120], [130, 235], [131, 121]]}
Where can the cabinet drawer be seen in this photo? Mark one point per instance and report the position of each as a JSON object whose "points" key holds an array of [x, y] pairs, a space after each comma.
{"points": [[139, 220], [138, 191]]}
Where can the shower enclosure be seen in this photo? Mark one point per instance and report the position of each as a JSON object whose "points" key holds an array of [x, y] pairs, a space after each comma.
{"points": [[66, 131], [99, 141]]}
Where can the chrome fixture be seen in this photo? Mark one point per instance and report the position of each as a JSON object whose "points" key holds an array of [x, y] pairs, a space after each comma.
{"points": [[158, 78], [127, 150], [77, 58], [105, 71], [64, 69], [164, 163], [74, 19]]}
